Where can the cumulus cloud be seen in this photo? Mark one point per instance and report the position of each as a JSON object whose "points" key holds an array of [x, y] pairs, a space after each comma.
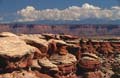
{"points": [[71, 13]]}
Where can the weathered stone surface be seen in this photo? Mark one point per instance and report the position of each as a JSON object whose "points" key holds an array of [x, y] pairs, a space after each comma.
{"points": [[41, 75], [68, 37], [14, 47], [33, 35], [63, 59], [35, 64], [15, 53], [89, 61], [67, 68], [58, 46], [61, 42], [49, 36], [35, 41], [24, 74], [18, 74], [42, 56], [7, 34], [44, 62]]}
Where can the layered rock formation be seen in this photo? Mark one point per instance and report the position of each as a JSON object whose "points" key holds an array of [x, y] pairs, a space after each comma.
{"points": [[15, 53], [57, 56]]}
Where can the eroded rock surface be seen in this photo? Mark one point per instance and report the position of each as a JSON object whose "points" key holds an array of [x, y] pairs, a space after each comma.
{"points": [[15, 53], [57, 56]]}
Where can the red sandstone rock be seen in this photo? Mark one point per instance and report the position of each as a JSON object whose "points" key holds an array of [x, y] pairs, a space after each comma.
{"points": [[35, 41], [16, 54], [89, 61]]}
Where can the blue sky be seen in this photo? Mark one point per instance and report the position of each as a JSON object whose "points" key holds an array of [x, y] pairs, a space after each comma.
{"points": [[11, 10]]}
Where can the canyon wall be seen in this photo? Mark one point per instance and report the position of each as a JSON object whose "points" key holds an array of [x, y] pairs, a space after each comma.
{"points": [[84, 30]]}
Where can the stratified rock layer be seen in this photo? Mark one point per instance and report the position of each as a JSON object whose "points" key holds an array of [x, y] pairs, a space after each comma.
{"points": [[57, 56]]}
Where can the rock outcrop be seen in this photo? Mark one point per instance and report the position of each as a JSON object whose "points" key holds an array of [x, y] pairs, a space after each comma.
{"points": [[57, 56], [15, 53], [7, 34]]}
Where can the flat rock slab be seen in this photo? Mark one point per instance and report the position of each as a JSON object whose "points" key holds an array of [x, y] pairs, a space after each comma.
{"points": [[35, 41], [15, 53], [63, 59], [14, 47]]}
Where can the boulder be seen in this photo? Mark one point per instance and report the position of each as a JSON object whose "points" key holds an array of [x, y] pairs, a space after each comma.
{"points": [[89, 61], [66, 64], [44, 62], [63, 59], [35, 41], [15, 53], [48, 67], [59, 46]]}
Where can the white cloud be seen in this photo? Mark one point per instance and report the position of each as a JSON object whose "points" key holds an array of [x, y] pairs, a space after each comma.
{"points": [[71, 13], [88, 6], [116, 7]]}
